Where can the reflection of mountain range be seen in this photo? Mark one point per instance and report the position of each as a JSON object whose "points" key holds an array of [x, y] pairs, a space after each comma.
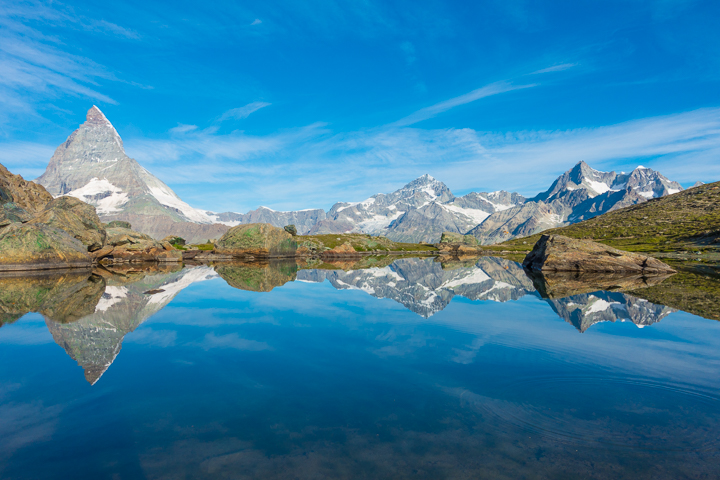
{"points": [[423, 286], [89, 314]]}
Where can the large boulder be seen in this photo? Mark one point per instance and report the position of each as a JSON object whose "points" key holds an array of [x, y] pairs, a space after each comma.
{"points": [[557, 253], [37, 247], [77, 218], [260, 240], [29, 196]]}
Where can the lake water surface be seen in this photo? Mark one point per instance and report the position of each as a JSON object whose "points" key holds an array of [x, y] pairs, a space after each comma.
{"points": [[415, 369]]}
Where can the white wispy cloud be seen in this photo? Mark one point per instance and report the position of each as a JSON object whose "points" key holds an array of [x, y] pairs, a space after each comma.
{"points": [[257, 21], [243, 112], [556, 68], [477, 94]]}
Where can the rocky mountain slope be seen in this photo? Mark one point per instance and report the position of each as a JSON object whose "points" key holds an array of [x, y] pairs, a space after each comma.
{"points": [[92, 166], [579, 194]]}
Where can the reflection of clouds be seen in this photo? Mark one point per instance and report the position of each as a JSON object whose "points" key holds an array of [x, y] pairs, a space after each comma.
{"points": [[467, 355], [22, 333], [150, 337], [232, 340], [25, 423]]}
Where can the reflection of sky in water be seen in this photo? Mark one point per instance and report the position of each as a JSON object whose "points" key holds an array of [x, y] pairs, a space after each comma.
{"points": [[309, 381]]}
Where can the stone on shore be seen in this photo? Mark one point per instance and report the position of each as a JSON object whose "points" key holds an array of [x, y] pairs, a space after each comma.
{"points": [[39, 247], [260, 240], [557, 253], [291, 229]]}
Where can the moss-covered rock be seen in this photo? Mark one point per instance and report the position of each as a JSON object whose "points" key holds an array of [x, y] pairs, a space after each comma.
{"points": [[77, 218], [257, 240], [452, 237], [129, 246], [119, 224], [37, 247]]}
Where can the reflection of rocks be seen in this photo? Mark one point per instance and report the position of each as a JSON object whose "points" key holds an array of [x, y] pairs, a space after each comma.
{"points": [[95, 339], [425, 287], [585, 310], [64, 295], [258, 276], [563, 284]]}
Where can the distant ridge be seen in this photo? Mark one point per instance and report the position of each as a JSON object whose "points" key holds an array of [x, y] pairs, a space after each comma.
{"points": [[92, 165]]}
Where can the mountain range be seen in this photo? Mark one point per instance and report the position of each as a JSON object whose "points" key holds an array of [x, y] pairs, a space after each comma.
{"points": [[92, 165]]}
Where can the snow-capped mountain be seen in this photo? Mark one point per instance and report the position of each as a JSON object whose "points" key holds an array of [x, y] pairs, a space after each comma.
{"points": [[92, 166], [578, 194], [418, 212]]}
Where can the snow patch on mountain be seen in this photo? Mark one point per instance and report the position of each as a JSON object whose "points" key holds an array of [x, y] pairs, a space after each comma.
{"points": [[106, 197]]}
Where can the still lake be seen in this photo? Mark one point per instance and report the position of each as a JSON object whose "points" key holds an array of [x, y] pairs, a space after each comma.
{"points": [[413, 369]]}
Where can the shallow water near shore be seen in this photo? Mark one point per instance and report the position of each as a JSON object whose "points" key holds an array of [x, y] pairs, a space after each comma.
{"points": [[411, 369]]}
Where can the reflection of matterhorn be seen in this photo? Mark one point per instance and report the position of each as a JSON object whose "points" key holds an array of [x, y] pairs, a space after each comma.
{"points": [[128, 300]]}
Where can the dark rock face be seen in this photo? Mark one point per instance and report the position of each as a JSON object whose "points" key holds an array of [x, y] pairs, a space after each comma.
{"points": [[260, 240], [77, 218], [291, 229], [556, 253]]}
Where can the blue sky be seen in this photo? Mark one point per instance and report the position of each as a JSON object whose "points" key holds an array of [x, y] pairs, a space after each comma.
{"points": [[301, 104]]}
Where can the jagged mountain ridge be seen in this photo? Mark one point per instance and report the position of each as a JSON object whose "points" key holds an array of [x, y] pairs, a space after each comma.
{"points": [[92, 166], [578, 194]]}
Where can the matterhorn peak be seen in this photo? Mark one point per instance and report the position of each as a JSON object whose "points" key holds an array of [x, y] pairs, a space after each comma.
{"points": [[96, 117]]}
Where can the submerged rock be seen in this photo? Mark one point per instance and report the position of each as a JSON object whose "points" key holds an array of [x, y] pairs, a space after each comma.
{"points": [[556, 253], [257, 240], [37, 247]]}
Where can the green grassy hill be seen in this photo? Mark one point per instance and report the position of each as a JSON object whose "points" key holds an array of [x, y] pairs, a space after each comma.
{"points": [[685, 223]]}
